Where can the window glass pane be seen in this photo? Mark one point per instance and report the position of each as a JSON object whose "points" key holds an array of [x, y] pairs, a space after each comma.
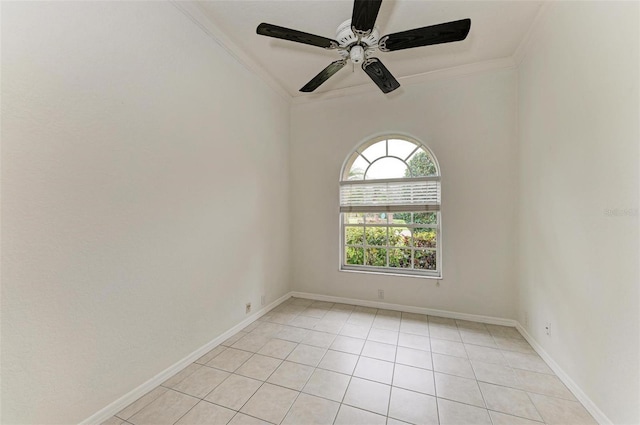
{"points": [[376, 236], [421, 165], [354, 256], [376, 218], [354, 235], [399, 236], [425, 218], [400, 218], [401, 148], [376, 257], [424, 259], [387, 168], [357, 169], [375, 151], [353, 218], [424, 238], [400, 258]]}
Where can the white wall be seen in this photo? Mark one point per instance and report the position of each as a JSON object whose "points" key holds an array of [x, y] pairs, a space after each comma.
{"points": [[140, 161], [470, 124], [578, 267]]}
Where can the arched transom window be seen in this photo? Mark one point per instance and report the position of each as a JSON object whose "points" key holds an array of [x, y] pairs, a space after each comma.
{"points": [[390, 208]]}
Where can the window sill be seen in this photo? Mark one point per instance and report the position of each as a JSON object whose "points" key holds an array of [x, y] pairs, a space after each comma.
{"points": [[390, 273]]}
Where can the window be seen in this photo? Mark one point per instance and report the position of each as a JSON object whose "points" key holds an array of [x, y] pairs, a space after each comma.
{"points": [[390, 209]]}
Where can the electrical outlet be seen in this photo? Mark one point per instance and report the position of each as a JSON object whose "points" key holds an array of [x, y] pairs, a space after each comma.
{"points": [[247, 308], [547, 328], [263, 300], [380, 294]]}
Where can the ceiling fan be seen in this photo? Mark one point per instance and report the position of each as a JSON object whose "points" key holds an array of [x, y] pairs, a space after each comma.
{"points": [[358, 39]]}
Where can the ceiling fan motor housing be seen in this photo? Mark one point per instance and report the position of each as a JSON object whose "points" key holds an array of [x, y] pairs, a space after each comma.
{"points": [[351, 48]]}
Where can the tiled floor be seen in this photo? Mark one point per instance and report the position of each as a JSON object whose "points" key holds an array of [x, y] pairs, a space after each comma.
{"points": [[311, 362]]}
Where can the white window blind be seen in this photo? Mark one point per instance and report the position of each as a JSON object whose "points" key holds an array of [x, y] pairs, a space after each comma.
{"points": [[391, 195]]}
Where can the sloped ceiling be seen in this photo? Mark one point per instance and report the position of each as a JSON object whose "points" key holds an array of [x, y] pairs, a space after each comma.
{"points": [[497, 29]]}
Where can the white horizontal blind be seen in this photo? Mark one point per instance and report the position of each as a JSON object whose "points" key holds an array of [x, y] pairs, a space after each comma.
{"points": [[391, 195]]}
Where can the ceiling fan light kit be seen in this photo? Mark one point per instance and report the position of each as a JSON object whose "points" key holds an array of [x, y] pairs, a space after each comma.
{"points": [[357, 39]]}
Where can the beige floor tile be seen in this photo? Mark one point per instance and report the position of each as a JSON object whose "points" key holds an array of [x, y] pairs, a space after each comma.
{"points": [[368, 395], [307, 354], [304, 322], [259, 367], [485, 354], [503, 419], [414, 379], [477, 338], [234, 338], [250, 327], [504, 331], [251, 342], [495, 374], [469, 325], [452, 365], [339, 362], [329, 326], [542, 384], [532, 362], [343, 307], [166, 409], [293, 334], [355, 331], [229, 360], [327, 305], [337, 315], [413, 407], [301, 301], [414, 317], [453, 413], [509, 400], [137, 405], [413, 357], [311, 311], [291, 375], [458, 389], [267, 329], [270, 403], [383, 335], [416, 328], [327, 384], [242, 419], [511, 344], [418, 342], [280, 318], [352, 416], [180, 376], [387, 321], [391, 421], [277, 348], [207, 413], [361, 319], [202, 381], [450, 348], [374, 370], [234, 391], [444, 332], [311, 410], [437, 320], [319, 339], [557, 411], [114, 420], [380, 351], [211, 354], [348, 344]]}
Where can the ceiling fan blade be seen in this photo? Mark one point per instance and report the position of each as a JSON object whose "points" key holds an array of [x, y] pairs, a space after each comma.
{"points": [[364, 15], [380, 75], [434, 34], [323, 76], [296, 36]]}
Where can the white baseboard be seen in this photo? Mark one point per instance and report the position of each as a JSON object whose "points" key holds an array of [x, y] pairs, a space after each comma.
{"points": [[113, 408], [595, 411], [408, 309]]}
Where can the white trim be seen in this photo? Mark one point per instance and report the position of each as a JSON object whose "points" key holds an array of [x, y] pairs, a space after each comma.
{"points": [[595, 411], [115, 407], [194, 11], [439, 74], [408, 309]]}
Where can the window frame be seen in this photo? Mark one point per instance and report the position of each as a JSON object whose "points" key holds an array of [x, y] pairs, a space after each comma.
{"points": [[386, 270]]}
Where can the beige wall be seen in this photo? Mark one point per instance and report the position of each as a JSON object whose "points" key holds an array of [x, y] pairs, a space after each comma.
{"points": [[470, 125], [139, 160], [578, 267]]}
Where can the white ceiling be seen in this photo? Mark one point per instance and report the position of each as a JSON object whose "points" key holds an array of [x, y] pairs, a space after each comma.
{"points": [[497, 28]]}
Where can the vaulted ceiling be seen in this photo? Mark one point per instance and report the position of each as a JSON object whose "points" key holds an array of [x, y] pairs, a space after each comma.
{"points": [[497, 29]]}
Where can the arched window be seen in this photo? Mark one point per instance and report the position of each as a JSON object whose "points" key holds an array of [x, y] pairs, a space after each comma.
{"points": [[390, 208]]}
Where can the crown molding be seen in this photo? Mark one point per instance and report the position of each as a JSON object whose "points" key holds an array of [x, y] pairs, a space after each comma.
{"points": [[532, 34], [440, 74], [194, 12]]}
